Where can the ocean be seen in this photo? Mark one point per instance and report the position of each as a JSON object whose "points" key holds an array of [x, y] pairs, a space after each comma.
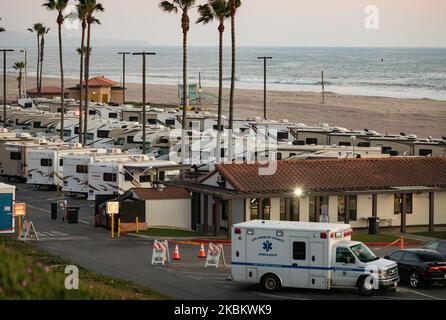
{"points": [[389, 72]]}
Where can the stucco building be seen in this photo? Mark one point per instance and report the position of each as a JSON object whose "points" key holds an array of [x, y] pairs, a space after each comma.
{"points": [[100, 90]]}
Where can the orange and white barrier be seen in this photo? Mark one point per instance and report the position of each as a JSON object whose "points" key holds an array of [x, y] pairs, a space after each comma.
{"points": [[215, 254], [160, 254]]}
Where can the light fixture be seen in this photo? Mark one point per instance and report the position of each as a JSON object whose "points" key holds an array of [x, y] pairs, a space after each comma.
{"points": [[298, 192]]}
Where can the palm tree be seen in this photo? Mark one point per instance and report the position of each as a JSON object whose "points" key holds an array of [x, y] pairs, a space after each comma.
{"points": [[59, 6], [182, 6], [35, 29], [1, 28], [220, 11], [91, 8], [234, 5], [43, 31], [19, 66]]}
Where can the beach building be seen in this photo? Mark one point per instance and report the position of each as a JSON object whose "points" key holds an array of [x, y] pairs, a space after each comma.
{"points": [[46, 92], [101, 90], [401, 191]]}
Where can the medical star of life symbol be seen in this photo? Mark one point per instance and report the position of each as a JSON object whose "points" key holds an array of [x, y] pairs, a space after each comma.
{"points": [[267, 246]]}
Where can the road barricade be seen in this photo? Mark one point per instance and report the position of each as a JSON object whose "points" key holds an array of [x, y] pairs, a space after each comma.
{"points": [[160, 254], [215, 254]]}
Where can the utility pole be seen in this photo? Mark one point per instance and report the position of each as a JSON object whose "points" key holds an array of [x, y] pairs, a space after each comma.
{"points": [[123, 74], [200, 92], [144, 121], [264, 84], [4, 83], [25, 52]]}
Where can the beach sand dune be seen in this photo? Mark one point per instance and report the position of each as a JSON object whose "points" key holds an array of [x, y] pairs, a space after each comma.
{"points": [[422, 117]]}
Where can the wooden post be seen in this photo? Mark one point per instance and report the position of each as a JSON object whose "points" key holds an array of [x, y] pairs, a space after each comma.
{"points": [[317, 206], [206, 214], [347, 209], [217, 216], [20, 225], [229, 220], [375, 206], [403, 214], [288, 209], [431, 212], [260, 206], [119, 228], [112, 226]]}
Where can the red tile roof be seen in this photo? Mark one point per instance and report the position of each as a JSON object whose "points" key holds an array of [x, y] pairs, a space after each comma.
{"points": [[338, 175], [101, 81], [47, 90], [169, 193]]}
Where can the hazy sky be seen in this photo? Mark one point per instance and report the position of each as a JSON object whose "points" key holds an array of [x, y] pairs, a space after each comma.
{"points": [[261, 22]]}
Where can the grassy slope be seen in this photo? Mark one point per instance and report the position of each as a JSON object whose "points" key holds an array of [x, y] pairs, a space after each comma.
{"points": [[438, 235], [30, 273], [170, 233]]}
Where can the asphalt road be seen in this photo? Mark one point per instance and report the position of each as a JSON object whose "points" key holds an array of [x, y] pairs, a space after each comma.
{"points": [[129, 258]]}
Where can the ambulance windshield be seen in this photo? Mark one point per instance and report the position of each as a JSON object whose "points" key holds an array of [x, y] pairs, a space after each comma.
{"points": [[363, 253]]}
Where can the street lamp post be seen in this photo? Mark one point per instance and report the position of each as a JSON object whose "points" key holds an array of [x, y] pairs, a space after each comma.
{"points": [[123, 74], [4, 83], [264, 84], [144, 54]]}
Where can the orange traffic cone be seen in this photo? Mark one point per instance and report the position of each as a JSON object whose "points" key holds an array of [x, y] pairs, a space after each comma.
{"points": [[176, 254], [202, 252]]}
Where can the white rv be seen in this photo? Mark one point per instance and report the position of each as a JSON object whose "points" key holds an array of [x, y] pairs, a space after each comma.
{"points": [[46, 165], [307, 255], [117, 177], [76, 169]]}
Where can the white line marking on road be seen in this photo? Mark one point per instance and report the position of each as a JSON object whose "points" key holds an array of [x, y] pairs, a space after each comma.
{"points": [[277, 296], [423, 294], [85, 222], [37, 208]]}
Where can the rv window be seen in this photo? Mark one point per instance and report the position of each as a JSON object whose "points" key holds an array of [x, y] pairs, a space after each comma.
{"points": [[109, 177], [341, 253], [425, 152], [364, 144], [151, 121], [162, 176], [46, 162], [119, 142], [282, 136], [170, 122], [67, 133], [345, 144], [130, 139], [128, 176], [61, 163], [103, 133], [76, 130], [50, 130], [145, 179], [279, 156], [113, 115], [90, 136], [16, 156], [81, 169], [92, 112], [299, 251], [37, 125], [133, 119], [311, 141]]}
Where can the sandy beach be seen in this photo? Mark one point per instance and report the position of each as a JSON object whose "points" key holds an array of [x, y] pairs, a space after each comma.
{"points": [[422, 117]]}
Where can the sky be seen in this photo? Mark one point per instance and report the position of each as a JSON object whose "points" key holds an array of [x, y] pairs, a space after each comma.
{"points": [[402, 23]]}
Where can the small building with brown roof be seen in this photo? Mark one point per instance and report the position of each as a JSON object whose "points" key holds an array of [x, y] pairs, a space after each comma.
{"points": [[401, 191], [162, 207], [46, 92], [100, 89]]}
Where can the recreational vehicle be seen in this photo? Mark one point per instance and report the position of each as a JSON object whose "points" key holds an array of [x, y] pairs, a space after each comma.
{"points": [[320, 256], [117, 177]]}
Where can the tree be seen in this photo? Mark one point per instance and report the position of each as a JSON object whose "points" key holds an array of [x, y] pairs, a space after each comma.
{"points": [[234, 5], [182, 6], [217, 10], [91, 8], [59, 6], [36, 28], [19, 66]]}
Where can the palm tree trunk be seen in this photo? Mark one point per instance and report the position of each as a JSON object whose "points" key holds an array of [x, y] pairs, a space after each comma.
{"points": [[38, 65], [185, 96], [42, 52], [233, 74], [87, 71], [62, 87], [221, 29], [81, 85], [20, 83]]}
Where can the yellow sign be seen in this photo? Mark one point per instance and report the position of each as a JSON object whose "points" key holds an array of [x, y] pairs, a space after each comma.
{"points": [[19, 210], [112, 208]]}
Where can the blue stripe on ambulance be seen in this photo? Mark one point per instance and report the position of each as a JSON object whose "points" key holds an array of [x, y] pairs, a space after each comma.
{"points": [[264, 265]]}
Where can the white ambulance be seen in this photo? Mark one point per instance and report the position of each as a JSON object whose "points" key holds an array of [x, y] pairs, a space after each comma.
{"points": [[321, 256]]}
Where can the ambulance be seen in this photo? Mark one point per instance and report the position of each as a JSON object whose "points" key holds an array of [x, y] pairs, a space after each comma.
{"points": [[322, 256]]}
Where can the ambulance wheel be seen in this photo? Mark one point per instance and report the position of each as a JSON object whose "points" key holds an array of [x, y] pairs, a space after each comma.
{"points": [[270, 282], [365, 287]]}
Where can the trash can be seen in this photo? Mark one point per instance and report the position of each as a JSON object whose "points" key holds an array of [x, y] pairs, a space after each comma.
{"points": [[54, 209], [374, 225], [73, 215]]}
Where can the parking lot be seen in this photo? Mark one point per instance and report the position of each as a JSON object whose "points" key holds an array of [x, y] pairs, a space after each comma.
{"points": [[129, 258]]}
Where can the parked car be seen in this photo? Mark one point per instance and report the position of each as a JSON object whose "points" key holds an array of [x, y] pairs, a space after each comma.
{"points": [[420, 266], [438, 245]]}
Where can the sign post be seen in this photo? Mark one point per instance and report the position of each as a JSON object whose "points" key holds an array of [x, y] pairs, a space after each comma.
{"points": [[19, 212], [112, 209]]}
